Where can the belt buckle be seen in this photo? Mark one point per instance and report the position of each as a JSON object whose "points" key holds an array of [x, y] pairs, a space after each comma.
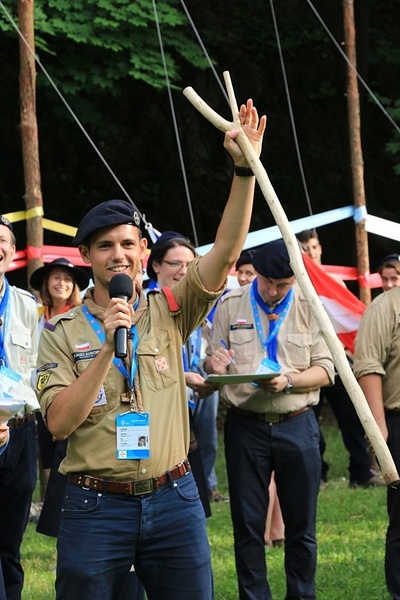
{"points": [[272, 417], [141, 487]]}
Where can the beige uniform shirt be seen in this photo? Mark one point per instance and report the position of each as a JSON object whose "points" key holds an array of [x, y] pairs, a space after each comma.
{"points": [[21, 344], [300, 346], [68, 344], [377, 348]]}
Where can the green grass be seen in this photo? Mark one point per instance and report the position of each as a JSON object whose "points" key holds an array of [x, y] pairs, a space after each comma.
{"points": [[351, 537]]}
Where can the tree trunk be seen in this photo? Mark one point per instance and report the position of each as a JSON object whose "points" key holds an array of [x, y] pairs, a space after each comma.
{"points": [[357, 163], [29, 138]]}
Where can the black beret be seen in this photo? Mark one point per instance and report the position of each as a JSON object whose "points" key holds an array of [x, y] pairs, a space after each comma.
{"points": [[106, 214], [392, 260], [272, 260], [82, 279], [246, 258], [4, 221]]}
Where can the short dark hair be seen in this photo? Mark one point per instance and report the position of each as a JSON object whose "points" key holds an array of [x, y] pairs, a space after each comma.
{"points": [[306, 234], [158, 252], [391, 261]]}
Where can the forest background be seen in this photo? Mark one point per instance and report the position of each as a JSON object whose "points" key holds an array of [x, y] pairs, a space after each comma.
{"points": [[104, 56]]}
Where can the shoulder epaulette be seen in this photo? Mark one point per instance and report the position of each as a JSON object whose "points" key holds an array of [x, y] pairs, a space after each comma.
{"points": [[67, 316], [173, 306], [235, 293]]}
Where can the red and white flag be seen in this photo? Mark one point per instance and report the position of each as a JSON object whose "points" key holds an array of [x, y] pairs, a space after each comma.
{"points": [[344, 308]]}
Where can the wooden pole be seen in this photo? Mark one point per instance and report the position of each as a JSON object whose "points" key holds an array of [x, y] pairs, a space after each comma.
{"points": [[29, 137], [371, 428], [357, 163]]}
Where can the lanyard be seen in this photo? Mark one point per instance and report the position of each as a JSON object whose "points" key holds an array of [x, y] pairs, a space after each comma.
{"points": [[4, 316], [269, 343], [99, 331]]}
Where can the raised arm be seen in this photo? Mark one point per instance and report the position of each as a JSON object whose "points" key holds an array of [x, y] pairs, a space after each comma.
{"points": [[216, 264]]}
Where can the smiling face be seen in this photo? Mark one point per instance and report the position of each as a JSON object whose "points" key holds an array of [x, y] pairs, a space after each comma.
{"points": [[60, 285], [7, 250], [273, 290], [173, 266], [118, 249]]}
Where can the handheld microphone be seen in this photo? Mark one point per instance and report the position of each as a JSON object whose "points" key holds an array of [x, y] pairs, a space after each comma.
{"points": [[121, 286]]}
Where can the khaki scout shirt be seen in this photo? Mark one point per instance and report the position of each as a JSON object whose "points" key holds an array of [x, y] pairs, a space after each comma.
{"points": [[65, 352], [300, 346], [377, 347]]}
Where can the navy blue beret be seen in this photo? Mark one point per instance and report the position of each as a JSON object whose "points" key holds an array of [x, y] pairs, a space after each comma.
{"points": [[106, 214], [272, 261], [4, 221], [246, 258]]}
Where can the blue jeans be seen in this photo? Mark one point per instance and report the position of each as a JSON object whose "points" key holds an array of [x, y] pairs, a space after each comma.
{"points": [[392, 555], [205, 428], [254, 449], [18, 470], [163, 534]]}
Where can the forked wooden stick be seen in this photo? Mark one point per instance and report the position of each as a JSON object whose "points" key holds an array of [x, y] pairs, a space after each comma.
{"points": [[372, 430]]}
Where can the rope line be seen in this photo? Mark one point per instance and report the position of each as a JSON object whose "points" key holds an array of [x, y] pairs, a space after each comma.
{"points": [[178, 142], [350, 64], [202, 46], [296, 142]]}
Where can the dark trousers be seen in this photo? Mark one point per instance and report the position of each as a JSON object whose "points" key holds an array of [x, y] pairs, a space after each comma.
{"points": [[2, 588], [352, 431], [254, 449], [392, 557], [18, 470]]}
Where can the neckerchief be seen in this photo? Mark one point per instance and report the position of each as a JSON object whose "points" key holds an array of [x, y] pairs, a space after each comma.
{"points": [[99, 331], [66, 308], [4, 314], [275, 319]]}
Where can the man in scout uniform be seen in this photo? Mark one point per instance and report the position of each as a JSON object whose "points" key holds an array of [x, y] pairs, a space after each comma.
{"points": [[377, 368], [126, 503], [267, 327], [18, 462]]}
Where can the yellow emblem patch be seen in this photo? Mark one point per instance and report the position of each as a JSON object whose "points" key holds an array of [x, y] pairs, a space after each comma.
{"points": [[42, 381]]}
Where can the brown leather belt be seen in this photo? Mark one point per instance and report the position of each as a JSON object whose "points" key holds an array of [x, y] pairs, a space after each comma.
{"points": [[268, 417], [130, 488], [15, 422]]}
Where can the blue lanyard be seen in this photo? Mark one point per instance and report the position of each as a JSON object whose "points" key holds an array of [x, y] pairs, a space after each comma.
{"points": [[4, 316], [269, 343], [99, 331]]}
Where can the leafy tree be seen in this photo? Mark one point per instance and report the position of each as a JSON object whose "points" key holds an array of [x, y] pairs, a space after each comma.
{"points": [[105, 58]]}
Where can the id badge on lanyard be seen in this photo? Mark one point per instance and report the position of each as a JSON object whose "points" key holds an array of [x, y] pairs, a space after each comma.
{"points": [[133, 440], [9, 381]]}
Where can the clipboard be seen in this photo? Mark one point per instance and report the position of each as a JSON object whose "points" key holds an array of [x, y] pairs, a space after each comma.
{"points": [[235, 378]]}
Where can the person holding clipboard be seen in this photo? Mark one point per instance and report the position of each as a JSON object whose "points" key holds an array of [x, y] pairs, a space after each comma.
{"points": [[273, 339]]}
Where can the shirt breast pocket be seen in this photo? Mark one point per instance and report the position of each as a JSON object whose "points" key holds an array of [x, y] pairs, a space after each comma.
{"points": [[21, 347], [299, 349], [242, 342], [154, 356]]}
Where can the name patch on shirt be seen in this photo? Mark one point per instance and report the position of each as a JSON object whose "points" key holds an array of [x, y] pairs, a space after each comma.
{"points": [[46, 367], [236, 326], [85, 355]]}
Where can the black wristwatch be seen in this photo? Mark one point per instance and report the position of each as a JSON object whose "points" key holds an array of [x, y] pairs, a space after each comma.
{"points": [[289, 388]]}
